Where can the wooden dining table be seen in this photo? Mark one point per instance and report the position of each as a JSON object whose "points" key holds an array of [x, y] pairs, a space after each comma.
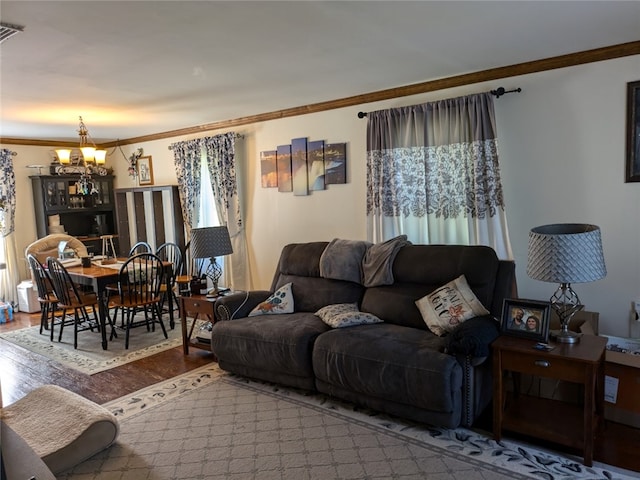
{"points": [[98, 277]]}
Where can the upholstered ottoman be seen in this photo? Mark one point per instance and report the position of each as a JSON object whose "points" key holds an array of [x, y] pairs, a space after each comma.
{"points": [[62, 427]]}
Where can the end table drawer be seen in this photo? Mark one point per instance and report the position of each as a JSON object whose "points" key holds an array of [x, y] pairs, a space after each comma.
{"points": [[543, 366], [197, 305]]}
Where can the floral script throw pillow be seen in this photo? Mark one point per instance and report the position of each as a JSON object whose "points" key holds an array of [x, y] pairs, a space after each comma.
{"points": [[281, 301], [450, 305], [341, 315]]}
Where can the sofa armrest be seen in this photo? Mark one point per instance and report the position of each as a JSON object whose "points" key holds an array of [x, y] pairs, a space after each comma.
{"points": [[239, 305], [473, 338]]}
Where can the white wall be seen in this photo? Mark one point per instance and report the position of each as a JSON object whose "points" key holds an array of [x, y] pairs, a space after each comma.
{"points": [[562, 151]]}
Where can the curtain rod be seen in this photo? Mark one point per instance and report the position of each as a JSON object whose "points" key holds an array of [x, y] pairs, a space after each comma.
{"points": [[498, 92], [237, 135]]}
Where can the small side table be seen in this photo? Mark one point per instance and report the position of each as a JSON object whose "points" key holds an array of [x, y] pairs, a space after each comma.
{"points": [[563, 423], [196, 305]]}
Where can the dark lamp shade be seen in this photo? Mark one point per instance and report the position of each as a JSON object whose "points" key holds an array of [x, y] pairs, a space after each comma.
{"points": [[210, 242], [565, 253]]}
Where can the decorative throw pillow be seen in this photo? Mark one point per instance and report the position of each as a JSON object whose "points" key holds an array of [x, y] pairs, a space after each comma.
{"points": [[345, 315], [448, 306], [280, 302]]}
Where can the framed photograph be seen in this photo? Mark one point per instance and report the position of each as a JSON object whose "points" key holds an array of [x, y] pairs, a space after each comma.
{"points": [[632, 173], [526, 318], [145, 171]]}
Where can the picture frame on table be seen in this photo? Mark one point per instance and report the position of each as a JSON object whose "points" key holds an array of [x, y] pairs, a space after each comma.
{"points": [[526, 319], [632, 170], [145, 171]]}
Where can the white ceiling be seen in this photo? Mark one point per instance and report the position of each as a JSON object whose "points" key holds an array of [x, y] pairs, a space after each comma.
{"points": [[135, 68]]}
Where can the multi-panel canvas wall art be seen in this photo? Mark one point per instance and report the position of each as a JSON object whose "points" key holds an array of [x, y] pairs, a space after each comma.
{"points": [[283, 165], [315, 164], [304, 166], [335, 163], [299, 166], [268, 169]]}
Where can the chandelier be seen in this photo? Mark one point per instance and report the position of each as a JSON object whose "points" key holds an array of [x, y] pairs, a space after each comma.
{"points": [[89, 160]]}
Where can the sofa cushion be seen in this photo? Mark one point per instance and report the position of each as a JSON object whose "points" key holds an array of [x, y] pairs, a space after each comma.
{"points": [[398, 364], [345, 315], [420, 269], [313, 293], [274, 343], [281, 301], [299, 265], [450, 305]]}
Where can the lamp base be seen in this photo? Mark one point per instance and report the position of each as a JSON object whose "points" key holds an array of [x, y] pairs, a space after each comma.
{"points": [[565, 336]]}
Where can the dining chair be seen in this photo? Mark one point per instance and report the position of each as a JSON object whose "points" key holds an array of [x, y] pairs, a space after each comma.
{"points": [[139, 282], [140, 247], [70, 297], [170, 252], [46, 297]]}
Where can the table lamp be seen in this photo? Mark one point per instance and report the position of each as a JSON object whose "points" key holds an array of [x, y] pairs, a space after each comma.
{"points": [[211, 242], [565, 253]]}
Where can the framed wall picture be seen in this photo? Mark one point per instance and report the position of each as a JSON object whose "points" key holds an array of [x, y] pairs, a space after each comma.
{"points": [[145, 171], [632, 171], [526, 318]]}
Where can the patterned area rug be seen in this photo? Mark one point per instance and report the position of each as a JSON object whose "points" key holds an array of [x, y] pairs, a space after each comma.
{"points": [[209, 424], [89, 357]]}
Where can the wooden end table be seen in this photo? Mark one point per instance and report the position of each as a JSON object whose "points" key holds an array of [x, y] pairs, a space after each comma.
{"points": [[564, 423], [196, 305]]}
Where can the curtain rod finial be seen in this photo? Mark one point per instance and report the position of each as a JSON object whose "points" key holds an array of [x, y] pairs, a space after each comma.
{"points": [[362, 114], [501, 91]]}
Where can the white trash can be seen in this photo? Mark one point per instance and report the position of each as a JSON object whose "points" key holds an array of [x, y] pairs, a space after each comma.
{"points": [[28, 297]]}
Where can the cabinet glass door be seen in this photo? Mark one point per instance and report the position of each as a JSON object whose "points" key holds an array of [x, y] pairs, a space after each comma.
{"points": [[55, 194], [104, 192]]}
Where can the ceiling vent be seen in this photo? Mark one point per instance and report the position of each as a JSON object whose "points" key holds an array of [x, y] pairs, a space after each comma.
{"points": [[7, 30]]}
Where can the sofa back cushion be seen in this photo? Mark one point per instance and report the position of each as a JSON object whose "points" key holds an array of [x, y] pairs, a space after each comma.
{"points": [[420, 269], [300, 264]]}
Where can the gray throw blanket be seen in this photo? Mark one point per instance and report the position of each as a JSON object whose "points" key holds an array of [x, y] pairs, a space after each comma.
{"points": [[361, 262], [377, 265], [342, 260]]}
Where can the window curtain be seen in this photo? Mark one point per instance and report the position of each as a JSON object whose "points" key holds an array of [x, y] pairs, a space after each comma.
{"points": [[221, 161], [186, 158], [433, 174], [220, 157], [9, 274]]}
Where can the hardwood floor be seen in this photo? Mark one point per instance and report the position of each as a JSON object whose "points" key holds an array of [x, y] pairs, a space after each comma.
{"points": [[22, 371]]}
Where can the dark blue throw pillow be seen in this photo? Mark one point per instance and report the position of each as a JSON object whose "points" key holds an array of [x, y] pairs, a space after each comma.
{"points": [[474, 336]]}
